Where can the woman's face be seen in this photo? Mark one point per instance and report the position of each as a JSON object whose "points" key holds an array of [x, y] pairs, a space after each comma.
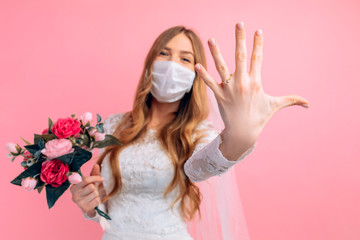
{"points": [[179, 49]]}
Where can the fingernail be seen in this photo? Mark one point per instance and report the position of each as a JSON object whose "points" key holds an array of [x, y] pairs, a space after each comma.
{"points": [[240, 25], [102, 178], [212, 41], [197, 66], [259, 32], [305, 105]]}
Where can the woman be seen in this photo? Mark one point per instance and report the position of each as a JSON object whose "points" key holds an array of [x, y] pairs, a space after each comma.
{"points": [[147, 185]]}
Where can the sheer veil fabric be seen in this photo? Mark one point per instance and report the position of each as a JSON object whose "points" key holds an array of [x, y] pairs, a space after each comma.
{"points": [[222, 215]]}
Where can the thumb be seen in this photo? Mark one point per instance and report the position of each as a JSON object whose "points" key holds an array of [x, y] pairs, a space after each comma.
{"points": [[96, 170], [290, 100]]}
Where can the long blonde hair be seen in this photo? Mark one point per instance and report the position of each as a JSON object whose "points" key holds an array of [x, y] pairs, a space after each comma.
{"points": [[175, 136]]}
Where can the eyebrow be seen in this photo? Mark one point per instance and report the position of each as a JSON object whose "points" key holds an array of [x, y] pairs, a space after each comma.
{"points": [[187, 52]]}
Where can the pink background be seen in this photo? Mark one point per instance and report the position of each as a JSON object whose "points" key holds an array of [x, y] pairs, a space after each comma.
{"points": [[302, 181]]}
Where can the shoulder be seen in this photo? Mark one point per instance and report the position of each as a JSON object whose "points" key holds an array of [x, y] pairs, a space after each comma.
{"points": [[112, 121], [206, 130], [206, 125]]}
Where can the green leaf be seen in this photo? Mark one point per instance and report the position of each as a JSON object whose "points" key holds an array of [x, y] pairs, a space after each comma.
{"points": [[27, 142], [87, 139], [51, 123], [108, 141], [81, 156], [29, 172], [46, 137], [37, 154], [39, 189], [100, 127], [9, 155], [53, 193], [12, 159], [36, 147], [67, 158], [98, 118], [73, 115]]}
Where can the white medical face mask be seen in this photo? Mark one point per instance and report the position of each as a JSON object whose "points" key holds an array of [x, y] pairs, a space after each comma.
{"points": [[170, 81]]}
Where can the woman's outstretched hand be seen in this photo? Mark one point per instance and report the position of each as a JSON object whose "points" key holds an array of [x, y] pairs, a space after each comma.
{"points": [[244, 106]]}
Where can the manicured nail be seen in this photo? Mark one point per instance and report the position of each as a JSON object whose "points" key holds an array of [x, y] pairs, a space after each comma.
{"points": [[305, 105], [197, 66], [240, 25], [212, 41], [259, 32], [102, 178]]}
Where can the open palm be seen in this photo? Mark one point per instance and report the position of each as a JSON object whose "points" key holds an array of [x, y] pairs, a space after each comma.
{"points": [[244, 106]]}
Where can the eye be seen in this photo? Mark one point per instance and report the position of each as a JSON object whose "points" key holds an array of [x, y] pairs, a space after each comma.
{"points": [[163, 53], [186, 60]]}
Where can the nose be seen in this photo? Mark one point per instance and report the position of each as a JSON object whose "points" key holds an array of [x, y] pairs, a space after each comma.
{"points": [[175, 58]]}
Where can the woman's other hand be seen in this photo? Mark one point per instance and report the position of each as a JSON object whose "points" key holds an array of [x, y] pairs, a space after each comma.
{"points": [[86, 193]]}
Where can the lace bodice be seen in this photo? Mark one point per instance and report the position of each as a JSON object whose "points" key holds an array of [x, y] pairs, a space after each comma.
{"points": [[140, 211]]}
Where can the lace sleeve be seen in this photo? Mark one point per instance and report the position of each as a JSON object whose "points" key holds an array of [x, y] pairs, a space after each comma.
{"points": [[207, 160], [110, 124]]}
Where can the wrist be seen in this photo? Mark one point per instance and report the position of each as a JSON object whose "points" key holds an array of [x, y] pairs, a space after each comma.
{"points": [[237, 137]]}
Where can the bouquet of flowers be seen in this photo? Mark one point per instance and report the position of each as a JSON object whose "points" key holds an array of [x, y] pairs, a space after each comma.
{"points": [[55, 158]]}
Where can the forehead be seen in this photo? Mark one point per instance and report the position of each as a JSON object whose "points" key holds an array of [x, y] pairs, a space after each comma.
{"points": [[180, 42]]}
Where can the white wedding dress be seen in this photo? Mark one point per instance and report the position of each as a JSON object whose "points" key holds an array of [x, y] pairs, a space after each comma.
{"points": [[140, 211]]}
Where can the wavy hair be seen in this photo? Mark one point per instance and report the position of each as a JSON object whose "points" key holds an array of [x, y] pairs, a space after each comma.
{"points": [[175, 136]]}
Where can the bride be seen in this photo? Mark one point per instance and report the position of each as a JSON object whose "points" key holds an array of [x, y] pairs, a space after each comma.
{"points": [[147, 186]]}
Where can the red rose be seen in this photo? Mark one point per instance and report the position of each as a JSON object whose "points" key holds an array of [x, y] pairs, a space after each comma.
{"points": [[54, 172], [66, 127], [45, 131]]}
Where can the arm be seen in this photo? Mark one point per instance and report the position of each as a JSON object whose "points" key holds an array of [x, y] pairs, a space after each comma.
{"points": [[208, 159]]}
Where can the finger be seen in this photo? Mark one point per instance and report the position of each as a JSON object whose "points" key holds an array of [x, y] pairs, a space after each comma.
{"points": [[96, 170], [91, 196], [88, 205], [209, 81], [94, 203], [88, 180], [218, 59], [88, 190], [257, 54], [290, 100], [240, 50]]}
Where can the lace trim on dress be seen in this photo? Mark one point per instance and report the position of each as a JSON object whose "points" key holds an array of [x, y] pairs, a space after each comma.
{"points": [[207, 160]]}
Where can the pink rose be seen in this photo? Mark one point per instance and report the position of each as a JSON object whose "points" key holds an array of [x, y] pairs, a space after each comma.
{"points": [[66, 127], [92, 132], [75, 178], [28, 183], [86, 117], [54, 172], [56, 148], [98, 136], [27, 155], [11, 147]]}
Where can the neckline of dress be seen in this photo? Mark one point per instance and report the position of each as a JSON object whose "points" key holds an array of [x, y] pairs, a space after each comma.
{"points": [[152, 130]]}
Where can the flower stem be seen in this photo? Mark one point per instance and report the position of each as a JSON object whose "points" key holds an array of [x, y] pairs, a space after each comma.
{"points": [[103, 214]]}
